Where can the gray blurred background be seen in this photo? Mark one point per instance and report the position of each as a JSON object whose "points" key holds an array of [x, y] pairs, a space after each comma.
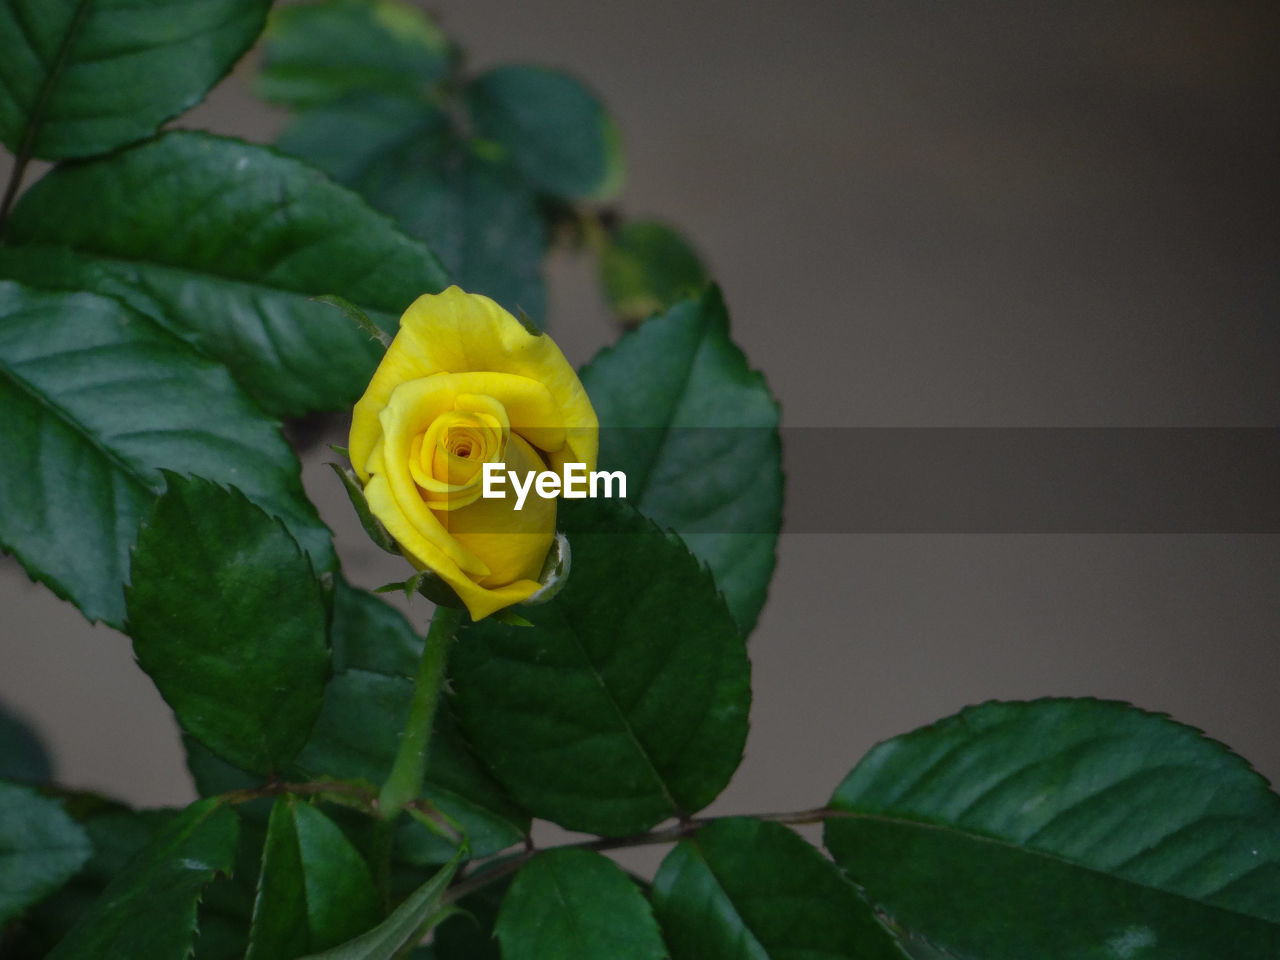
{"points": [[921, 214]]}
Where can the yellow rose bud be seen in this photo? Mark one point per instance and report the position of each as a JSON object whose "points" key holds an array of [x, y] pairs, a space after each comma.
{"points": [[463, 384]]}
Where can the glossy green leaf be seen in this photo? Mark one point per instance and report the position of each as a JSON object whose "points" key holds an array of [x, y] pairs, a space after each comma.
{"points": [[315, 890], [22, 755], [646, 266], [41, 848], [82, 77], [366, 707], [149, 910], [1065, 828], [226, 243], [576, 903], [317, 52], [557, 132], [468, 204], [696, 432], [411, 919], [229, 620], [751, 890], [627, 701], [97, 401]]}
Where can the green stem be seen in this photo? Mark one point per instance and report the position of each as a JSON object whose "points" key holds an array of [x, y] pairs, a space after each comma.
{"points": [[405, 782]]}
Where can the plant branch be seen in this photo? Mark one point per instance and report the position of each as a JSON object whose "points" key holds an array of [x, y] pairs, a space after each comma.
{"points": [[348, 794], [673, 834]]}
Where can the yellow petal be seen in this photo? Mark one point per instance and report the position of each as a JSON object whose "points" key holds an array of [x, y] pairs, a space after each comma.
{"points": [[457, 332], [513, 543]]}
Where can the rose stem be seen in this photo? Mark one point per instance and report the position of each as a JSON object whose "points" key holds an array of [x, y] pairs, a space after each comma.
{"points": [[405, 782]]}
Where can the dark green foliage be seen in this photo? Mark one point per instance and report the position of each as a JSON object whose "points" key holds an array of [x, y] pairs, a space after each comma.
{"points": [[225, 243], [98, 399], [228, 618], [1062, 828], [82, 77], [574, 903], [149, 909], [626, 703], [695, 429], [752, 890]]}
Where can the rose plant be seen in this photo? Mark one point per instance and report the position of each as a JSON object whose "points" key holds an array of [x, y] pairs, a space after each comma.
{"points": [[368, 788]]}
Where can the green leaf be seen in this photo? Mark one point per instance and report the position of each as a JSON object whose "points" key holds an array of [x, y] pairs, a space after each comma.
{"points": [[746, 889], [227, 243], [82, 77], [468, 934], [22, 755], [226, 909], [366, 707], [149, 910], [317, 52], [410, 920], [41, 848], [470, 206], [116, 834], [627, 701], [576, 903], [315, 890], [696, 432], [229, 621], [556, 131], [1065, 828], [646, 266], [97, 401], [370, 634]]}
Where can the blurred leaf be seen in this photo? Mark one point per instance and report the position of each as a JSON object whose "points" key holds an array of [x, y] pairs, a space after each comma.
{"points": [[366, 707], [468, 934], [360, 138], [575, 903], [22, 755], [556, 131], [695, 430], [470, 206], [315, 890], [627, 702], [229, 621], [226, 243], [408, 921], [97, 400], [213, 775], [116, 834], [752, 890], [41, 848], [83, 77], [647, 266], [1065, 828], [149, 910], [317, 52]]}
